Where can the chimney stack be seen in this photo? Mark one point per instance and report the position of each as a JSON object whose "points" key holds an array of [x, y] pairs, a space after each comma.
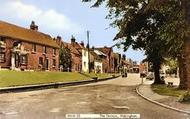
{"points": [[58, 40], [82, 43], [33, 26], [73, 40]]}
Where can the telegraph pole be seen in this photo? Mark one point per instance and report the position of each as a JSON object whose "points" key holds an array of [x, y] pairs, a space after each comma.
{"points": [[88, 36]]}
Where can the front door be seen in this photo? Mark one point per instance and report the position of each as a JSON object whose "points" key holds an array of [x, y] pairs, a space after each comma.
{"points": [[47, 64], [17, 60]]}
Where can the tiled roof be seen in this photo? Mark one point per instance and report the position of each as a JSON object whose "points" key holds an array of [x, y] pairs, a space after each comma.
{"points": [[28, 35], [73, 49], [105, 50]]}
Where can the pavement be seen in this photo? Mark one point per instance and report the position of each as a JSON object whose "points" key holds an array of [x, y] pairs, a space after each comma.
{"points": [[169, 101], [117, 96]]}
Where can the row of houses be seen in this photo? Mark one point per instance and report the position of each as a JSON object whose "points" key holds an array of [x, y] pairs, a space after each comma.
{"points": [[28, 49]]}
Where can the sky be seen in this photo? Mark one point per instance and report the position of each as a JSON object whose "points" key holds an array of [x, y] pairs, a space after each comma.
{"points": [[65, 18]]}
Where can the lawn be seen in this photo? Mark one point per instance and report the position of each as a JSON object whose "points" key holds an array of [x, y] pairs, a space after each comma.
{"points": [[170, 91], [18, 78]]}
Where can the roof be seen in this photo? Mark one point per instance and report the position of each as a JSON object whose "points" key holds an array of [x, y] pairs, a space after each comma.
{"points": [[73, 49], [98, 52], [28, 35], [105, 50]]}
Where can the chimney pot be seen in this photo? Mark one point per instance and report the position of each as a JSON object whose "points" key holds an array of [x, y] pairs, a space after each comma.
{"points": [[33, 26]]}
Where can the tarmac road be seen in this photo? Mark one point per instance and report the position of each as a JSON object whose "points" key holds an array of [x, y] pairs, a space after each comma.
{"points": [[116, 96]]}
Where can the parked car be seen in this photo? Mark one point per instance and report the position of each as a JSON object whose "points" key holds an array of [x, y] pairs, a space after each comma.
{"points": [[162, 75], [124, 74], [150, 76]]}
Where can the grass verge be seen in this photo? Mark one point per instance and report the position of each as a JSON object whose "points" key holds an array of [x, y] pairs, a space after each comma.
{"points": [[18, 78], [169, 91]]}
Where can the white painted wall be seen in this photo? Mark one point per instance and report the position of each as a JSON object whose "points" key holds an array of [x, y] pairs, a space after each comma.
{"points": [[85, 60], [98, 64]]}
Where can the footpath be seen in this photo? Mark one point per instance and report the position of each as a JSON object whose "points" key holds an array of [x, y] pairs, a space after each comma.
{"points": [[170, 102]]}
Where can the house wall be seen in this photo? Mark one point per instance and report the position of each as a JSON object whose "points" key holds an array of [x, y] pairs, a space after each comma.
{"points": [[33, 57], [85, 67], [105, 65], [76, 63], [98, 67]]}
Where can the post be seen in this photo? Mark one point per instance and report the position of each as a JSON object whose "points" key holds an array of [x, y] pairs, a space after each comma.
{"points": [[88, 35], [142, 81]]}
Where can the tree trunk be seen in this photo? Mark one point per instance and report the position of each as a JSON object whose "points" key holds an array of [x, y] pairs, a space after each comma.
{"points": [[183, 80], [156, 68]]}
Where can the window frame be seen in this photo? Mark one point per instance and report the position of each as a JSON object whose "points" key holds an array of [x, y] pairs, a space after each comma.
{"points": [[34, 48], [3, 60], [54, 62], [40, 60], [54, 51], [22, 60], [44, 49]]}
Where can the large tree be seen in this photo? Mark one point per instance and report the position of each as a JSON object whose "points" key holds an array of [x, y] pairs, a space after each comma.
{"points": [[65, 58], [138, 26], [157, 26]]}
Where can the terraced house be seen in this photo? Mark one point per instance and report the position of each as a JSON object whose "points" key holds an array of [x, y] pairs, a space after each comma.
{"points": [[27, 49], [75, 52]]}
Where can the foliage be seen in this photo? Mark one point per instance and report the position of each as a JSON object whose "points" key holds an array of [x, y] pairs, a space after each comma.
{"points": [[65, 58], [185, 97], [150, 25]]}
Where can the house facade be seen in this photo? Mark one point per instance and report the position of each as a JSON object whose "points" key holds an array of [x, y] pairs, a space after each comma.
{"points": [[76, 53], [27, 49], [96, 60], [108, 62]]}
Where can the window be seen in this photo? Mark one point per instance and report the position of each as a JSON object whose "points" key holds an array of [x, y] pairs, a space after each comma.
{"points": [[2, 39], [2, 57], [54, 62], [40, 60], [84, 53], [54, 51], [44, 49], [2, 42], [34, 49], [85, 64], [23, 59]]}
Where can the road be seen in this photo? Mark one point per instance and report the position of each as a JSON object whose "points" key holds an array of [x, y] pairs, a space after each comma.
{"points": [[116, 96]]}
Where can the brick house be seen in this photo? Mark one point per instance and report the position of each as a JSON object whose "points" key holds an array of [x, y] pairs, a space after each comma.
{"points": [[108, 62], [27, 49], [76, 53], [96, 58]]}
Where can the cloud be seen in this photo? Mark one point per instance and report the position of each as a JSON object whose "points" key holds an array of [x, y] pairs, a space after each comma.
{"points": [[50, 19]]}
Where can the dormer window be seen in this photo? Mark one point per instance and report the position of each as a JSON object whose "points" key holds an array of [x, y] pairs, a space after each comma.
{"points": [[34, 48], [44, 50]]}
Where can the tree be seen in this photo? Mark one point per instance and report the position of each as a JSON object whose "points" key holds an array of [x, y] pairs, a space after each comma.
{"points": [[65, 58], [175, 33], [138, 27], [153, 26]]}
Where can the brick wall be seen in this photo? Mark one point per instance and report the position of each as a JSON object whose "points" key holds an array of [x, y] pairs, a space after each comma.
{"points": [[33, 57]]}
